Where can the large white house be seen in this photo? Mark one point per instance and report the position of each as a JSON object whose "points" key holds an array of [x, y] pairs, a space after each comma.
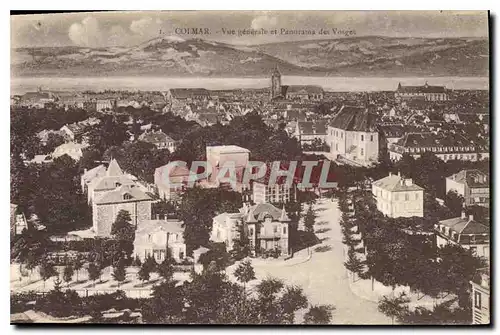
{"points": [[398, 197], [352, 135]]}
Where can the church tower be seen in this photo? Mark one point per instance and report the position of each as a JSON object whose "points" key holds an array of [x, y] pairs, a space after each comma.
{"points": [[275, 83]]}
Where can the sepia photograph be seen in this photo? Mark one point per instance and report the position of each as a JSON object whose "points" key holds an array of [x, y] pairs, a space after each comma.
{"points": [[250, 168]]}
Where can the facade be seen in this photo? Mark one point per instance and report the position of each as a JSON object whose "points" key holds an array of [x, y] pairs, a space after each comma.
{"points": [[105, 208], [159, 139], [352, 135], [398, 197], [425, 92], [276, 83], [481, 299], [183, 95], [444, 146], [265, 226], [277, 193], [466, 232], [17, 221], [307, 132], [166, 186], [218, 155], [472, 185], [154, 237]]}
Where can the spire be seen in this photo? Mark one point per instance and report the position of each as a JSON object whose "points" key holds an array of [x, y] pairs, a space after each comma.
{"points": [[114, 169], [284, 217]]}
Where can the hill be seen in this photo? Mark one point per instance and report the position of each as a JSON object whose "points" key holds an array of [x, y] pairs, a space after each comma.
{"points": [[176, 57]]}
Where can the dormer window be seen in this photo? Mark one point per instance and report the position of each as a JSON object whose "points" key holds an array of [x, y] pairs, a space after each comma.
{"points": [[118, 184], [127, 196]]}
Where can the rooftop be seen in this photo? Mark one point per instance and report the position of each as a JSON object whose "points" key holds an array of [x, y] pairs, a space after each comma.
{"points": [[473, 178], [354, 119], [396, 183], [227, 149]]}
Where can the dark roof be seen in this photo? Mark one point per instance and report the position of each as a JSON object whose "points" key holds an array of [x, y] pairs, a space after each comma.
{"points": [[260, 211], [210, 118], [295, 114], [474, 178], [313, 127], [421, 89], [155, 137], [393, 130], [354, 119], [429, 139], [465, 226]]}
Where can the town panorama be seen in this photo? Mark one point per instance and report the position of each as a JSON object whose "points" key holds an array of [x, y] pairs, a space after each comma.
{"points": [[173, 168]]}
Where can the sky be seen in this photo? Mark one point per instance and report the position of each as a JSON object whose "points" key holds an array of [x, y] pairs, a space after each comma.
{"points": [[104, 29]]}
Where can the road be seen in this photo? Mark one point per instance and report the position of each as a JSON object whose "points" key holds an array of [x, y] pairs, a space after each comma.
{"points": [[323, 277]]}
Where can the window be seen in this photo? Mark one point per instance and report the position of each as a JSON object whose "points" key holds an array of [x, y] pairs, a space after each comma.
{"points": [[477, 299], [181, 255], [416, 196], [341, 135], [362, 153], [336, 146], [473, 250], [250, 231], [371, 138], [284, 230], [407, 196], [127, 196], [275, 229]]}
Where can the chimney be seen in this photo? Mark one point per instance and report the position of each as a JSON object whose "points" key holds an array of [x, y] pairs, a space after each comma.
{"points": [[399, 174], [471, 217], [408, 182], [463, 215], [390, 174]]}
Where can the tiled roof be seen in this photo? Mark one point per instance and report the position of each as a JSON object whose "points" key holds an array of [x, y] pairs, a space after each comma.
{"points": [[114, 169], [473, 178], [395, 183], [119, 195], [93, 173], [430, 139], [155, 137], [396, 130], [354, 119], [151, 226], [259, 211], [465, 226], [310, 128]]}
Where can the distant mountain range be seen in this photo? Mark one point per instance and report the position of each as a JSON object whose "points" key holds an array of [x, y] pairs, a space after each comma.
{"points": [[370, 56]]}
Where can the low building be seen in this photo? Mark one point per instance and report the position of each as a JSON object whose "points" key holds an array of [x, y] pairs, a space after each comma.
{"points": [[472, 185], [154, 237], [277, 193], [17, 221], [159, 139], [466, 232], [398, 197], [184, 95], [481, 298], [307, 132], [171, 188], [352, 135], [425, 92], [265, 226], [444, 146], [105, 208], [72, 149], [97, 182]]}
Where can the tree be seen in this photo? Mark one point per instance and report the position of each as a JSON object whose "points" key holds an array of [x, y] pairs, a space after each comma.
{"points": [[309, 220], [77, 265], [319, 315], [241, 246], [137, 262], [166, 270], [119, 273], [292, 300], [244, 273], [46, 270], [395, 307], [353, 263], [68, 273], [144, 272], [94, 271], [454, 202], [122, 228]]}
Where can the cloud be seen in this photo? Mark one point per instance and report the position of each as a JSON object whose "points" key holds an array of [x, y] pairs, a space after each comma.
{"points": [[86, 33], [264, 21], [146, 27]]}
